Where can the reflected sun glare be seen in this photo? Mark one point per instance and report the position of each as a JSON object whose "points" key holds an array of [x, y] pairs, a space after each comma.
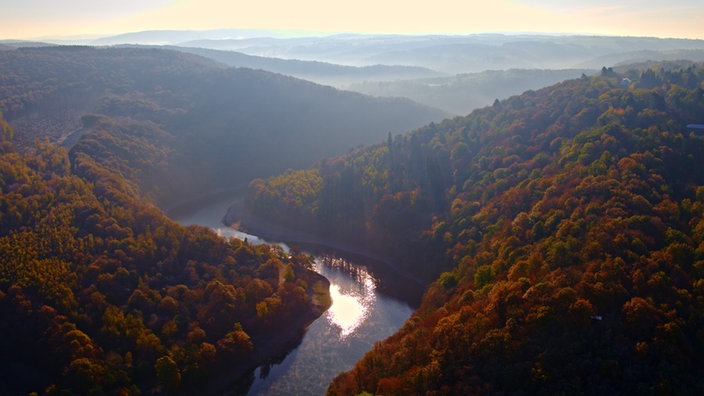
{"points": [[347, 311]]}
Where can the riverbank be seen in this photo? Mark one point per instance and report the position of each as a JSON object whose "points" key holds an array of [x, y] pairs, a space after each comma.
{"points": [[304, 354], [239, 217], [271, 347]]}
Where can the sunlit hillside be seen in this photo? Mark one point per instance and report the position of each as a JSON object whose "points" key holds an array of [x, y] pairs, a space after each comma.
{"points": [[562, 226]]}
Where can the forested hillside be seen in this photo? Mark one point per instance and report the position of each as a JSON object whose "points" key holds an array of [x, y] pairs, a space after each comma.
{"points": [[563, 226], [101, 293], [213, 127]]}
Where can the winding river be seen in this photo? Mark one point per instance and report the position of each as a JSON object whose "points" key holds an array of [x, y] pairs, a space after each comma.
{"points": [[365, 309]]}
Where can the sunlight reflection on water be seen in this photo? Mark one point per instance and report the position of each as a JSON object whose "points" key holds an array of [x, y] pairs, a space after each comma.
{"points": [[347, 312], [333, 343], [350, 305], [229, 232]]}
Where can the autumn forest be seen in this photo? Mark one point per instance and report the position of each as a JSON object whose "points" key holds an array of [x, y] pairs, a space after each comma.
{"points": [[559, 233]]}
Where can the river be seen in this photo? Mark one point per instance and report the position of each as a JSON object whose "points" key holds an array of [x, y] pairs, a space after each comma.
{"points": [[365, 309]]}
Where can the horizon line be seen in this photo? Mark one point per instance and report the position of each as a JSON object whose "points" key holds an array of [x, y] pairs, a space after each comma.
{"points": [[303, 33]]}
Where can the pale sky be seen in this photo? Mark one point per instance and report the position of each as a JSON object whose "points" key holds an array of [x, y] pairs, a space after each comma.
{"points": [[32, 19]]}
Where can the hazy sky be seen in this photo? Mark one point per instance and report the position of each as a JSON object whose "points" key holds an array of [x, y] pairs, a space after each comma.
{"points": [[22, 19]]}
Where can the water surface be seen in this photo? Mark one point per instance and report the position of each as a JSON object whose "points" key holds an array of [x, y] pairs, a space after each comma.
{"points": [[365, 309]]}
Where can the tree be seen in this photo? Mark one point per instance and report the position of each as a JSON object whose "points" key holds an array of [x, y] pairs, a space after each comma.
{"points": [[168, 373]]}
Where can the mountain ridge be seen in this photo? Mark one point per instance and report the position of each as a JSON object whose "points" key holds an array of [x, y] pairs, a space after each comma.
{"points": [[101, 293], [561, 226], [189, 105]]}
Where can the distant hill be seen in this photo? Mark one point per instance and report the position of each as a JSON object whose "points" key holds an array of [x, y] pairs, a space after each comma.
{"points": [[631, 57], [529, 52], [318, 72], [462, 93], [14, 44], [247, 123], [446, 54], [457, 54], [563, 228], [635, 70], [173, 37]]}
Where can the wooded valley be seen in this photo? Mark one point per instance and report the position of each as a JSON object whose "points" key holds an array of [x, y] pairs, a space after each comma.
{"points": [[560, 232]]}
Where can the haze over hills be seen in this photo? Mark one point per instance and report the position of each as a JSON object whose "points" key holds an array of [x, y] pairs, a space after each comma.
{"points": [[453, 54], [631, 57], [560, 231], [450, 54], [246, 122], [459, 94], [400, 65], [14, 44], [340, 76], [462, 93], [172, 37]]}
